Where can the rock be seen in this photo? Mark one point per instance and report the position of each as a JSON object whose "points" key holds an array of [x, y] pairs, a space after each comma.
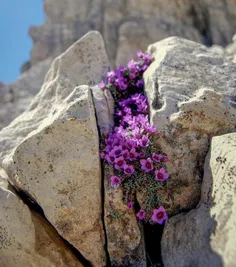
{"points": [[53, 151], [217, 49], [16, 97], [191, 93], [125, 239], [104, 106], [206, 235], [84, 63], [27, 239], [131, 25]]}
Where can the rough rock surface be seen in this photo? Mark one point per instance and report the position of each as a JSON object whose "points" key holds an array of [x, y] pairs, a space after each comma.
{"points": [[125, 240], [16, 97], [84, 63], [206, 235], [191, 94], [51, 151], [131, 25], [26, 239]]}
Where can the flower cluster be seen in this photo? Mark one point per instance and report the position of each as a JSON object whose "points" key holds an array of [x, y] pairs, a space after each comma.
{"points": [[127, 147]]}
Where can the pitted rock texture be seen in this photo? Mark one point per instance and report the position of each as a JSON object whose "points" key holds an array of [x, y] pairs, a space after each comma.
{"points": [[131, 25], [191, 93], [51, 151], [26, 239], [58, 165], [206, 235]]}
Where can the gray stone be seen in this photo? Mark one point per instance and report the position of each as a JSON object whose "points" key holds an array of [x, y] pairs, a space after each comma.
{"points": [[191, 92], [205, 236], [27, 239], [51, 151], [131, 25]]}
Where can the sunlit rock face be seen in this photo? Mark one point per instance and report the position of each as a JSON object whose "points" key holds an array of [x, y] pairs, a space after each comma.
{"points": [[127, 26], [131, 25]]}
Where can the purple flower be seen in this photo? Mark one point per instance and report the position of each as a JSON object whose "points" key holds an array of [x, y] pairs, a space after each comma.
{"points": [[161, 175], [147, 59], [128, 169], [159, 215], [144, 142], [165, 159], [139, 84], [120, 71], [119, 163], [141, 155], [141, 214], [125, 154], [144, 67], [115, 180], [121, 83], [149, 129], [146, 165], [116, 151], [131, 143], [102, 155], [110, 158], [102, 85], [156, 157], [133, 67], [132, 76], [111, 76], [140, 54], [130, 205], [133, 154]]}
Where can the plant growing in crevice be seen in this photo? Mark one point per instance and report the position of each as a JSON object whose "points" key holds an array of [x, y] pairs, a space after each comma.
{"points": [[128, 148]]}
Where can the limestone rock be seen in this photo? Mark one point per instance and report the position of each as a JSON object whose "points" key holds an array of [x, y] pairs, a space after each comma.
{"points": [[191, 92], [16, 97], [104, 106], [206, 235], [26, 239], [53, 151], [58, 165], [131, 25], [84, 63]]}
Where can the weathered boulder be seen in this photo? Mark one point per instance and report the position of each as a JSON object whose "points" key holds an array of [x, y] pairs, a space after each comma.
{"points": [[53, 151], [26, 239], [206, 235], [85, 62], [191, 94], [16, 97], [131, 25]]}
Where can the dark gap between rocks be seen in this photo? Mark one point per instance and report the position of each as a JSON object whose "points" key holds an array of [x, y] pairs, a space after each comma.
{"points": [[201, 23], [152, 238], [108, 261], [34, 206]]}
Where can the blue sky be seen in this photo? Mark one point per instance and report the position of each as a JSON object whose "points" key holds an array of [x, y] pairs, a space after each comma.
{"points": [[16, 18]]}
